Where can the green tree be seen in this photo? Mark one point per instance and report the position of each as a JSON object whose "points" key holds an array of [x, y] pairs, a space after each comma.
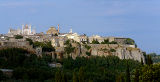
{"points": [[1, 75], [106, 41], [63, 77], [127, 73], [120, 78], [90, 80], [81, 75], [142, 62], [58, 76], [20, 73], [18, 37], [149, 60], [112, 50], [113, 42], [129, 41], [30, 41], [46, 46], [88, 53], [149, 73], [136, 78], [69, 49], [95, 41], [87, 47], [75, 79]]}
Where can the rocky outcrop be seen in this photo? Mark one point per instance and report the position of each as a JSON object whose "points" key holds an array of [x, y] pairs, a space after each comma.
{"points": [[122, 51]]}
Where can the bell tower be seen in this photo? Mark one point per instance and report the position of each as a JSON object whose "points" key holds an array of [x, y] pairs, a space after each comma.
{"points": [[58, 28]]}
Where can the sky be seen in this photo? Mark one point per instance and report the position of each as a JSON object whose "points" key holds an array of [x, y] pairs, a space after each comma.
{"points": [[136, 19]]}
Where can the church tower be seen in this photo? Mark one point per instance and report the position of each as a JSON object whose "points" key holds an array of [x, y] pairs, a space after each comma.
{"points": [[58, 28], [29, 29], [22, 28], [70, 31]]}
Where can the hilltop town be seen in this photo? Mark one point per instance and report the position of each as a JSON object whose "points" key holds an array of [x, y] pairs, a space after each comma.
{"points": [[69, 57], [61, 45]]}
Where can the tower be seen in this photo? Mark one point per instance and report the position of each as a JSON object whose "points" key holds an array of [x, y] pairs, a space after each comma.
{"points": [[70, 31], [58, 28], [30, 30], [22, 28]]}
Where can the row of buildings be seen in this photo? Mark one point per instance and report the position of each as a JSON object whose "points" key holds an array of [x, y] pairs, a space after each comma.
{"points": [[26, 30], [58, 42], [53, 34]]}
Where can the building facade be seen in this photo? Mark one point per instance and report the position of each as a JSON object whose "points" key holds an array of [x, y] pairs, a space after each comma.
{"points": [[26, 30]]}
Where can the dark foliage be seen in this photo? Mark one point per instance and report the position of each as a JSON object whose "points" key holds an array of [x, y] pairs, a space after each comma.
{"points": [[95, 41], [155, 57], [18, 37], [99, 69], [46, 46], [30, 41], [94, 69], [148, 73], [129, 41]]}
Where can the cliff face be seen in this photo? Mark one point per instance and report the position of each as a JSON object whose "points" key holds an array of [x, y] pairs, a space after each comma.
{"points": [[122, 51]]}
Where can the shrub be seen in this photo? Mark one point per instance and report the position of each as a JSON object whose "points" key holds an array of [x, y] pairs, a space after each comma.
{"points": [[129, 41], [87, 47], [112, 50], [18, 37], [88, 53], [95, 41], [30, 41]]}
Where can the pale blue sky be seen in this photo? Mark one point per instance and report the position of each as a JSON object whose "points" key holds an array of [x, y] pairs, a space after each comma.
{"points": [[137, 19]]}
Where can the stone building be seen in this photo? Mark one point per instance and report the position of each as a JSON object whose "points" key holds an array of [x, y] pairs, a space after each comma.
{"points": [[71, 36], [58, 41], [14, 31], [52, 30], [96, 37], [83, 38], [120, 40], [26, 30]]}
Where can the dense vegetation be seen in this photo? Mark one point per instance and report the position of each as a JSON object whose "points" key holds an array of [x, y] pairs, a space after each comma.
{"points": [[69, 48], [16, 57], [129, 41], [46, 46], [106, 41], [26, 66], [147, 73], [29, 67], [155, 57], [98, 69]]}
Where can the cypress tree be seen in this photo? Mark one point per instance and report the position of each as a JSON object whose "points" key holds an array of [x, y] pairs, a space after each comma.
{"points": [[149, 60], [142, 62], [1, 75], [136, 78], [63, 77], [127, 73], [75, 77], [81, 74], [120, 78], [90, 80], [58, 76]]}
